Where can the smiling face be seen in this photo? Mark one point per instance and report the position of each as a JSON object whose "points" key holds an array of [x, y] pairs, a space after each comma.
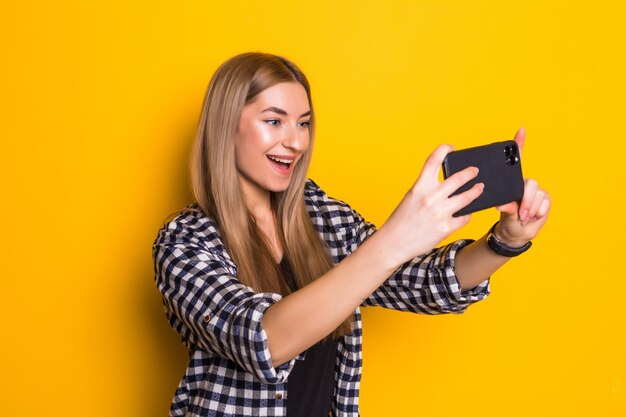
{"points": [[273, 134]]}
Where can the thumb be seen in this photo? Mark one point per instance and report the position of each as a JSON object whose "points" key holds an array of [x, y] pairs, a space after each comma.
{"points": [[509, 208], [431, 167]]}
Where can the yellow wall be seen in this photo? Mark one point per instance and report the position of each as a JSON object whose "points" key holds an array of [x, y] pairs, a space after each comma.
{"points": [[99, 106]]}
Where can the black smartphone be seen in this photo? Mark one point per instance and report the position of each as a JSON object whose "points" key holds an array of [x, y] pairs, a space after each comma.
{"points": [[500, 169]]}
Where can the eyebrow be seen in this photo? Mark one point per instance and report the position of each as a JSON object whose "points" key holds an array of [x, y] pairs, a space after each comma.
{"points": [[278, 110]]}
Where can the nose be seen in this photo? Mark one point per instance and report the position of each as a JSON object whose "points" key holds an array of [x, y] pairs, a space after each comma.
{"points": [[296, 138]]}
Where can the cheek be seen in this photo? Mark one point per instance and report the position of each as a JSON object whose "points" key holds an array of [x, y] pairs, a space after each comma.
{"points": [[250, 146], [258, 137], [266, 136], [245, 155]]}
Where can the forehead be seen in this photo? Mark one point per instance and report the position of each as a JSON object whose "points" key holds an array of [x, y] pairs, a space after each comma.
{"points": [[289, 96]]}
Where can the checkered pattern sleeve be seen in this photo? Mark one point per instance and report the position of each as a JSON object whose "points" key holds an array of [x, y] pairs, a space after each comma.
{"points": [[426, 284], [205, 302]]}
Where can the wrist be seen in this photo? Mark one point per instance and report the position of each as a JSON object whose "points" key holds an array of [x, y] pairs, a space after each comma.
{"points": [[506, 239], [504, 248], [377, 247]]}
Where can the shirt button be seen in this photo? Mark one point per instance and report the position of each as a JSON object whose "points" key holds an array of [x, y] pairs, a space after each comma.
{"points": [[279, 396], [206, 318]]}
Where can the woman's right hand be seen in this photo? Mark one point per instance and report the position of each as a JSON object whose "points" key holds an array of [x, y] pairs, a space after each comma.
{"points": [[424, 216]]}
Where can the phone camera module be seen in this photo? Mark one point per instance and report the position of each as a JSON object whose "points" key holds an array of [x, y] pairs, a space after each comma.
{"points": [[510, 154], [510, 150], [512, 160]]}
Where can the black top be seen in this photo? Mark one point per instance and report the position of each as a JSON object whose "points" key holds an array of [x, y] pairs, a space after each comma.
{"points": [[311, 383]]}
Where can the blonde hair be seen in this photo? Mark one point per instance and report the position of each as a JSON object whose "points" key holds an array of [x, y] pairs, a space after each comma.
{"points": [[217, 190]]}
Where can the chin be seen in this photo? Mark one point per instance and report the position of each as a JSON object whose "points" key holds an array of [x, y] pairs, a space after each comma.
{"points": [[277, 185]]}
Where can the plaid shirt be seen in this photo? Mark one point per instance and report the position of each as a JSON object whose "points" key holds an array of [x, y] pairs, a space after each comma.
{"points": [[230, 370]]}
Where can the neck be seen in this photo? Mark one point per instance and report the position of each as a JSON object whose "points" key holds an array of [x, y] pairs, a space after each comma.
{"points": [[257, 200]]}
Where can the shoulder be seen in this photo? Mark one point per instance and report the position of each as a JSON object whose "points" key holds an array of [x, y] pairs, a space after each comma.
{"points": [[315, 197], [190, 226], [320, 205]]}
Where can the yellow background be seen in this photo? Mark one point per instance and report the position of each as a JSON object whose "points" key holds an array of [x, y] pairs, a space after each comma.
{"points": [[99, 106]]}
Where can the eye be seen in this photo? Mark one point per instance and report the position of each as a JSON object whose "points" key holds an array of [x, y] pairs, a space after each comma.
{"points": [[306, 123], [273, 122]]}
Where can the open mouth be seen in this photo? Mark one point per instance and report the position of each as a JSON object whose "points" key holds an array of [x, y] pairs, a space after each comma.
{"points": [[281, 163]]}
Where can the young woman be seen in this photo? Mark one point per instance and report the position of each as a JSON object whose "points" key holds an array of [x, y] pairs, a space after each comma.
{"points": [[263, 275]]}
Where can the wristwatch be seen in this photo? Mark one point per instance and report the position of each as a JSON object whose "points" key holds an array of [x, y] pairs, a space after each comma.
{"points": [[502, 249]]}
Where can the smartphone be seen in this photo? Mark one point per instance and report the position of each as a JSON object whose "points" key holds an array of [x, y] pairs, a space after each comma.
{"points": [[500, 169]]}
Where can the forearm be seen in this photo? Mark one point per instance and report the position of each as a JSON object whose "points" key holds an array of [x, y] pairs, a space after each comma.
{"points": [[476, 262], [306, 316]]}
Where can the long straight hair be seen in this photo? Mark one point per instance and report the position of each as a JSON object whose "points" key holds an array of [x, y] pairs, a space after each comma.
{"points": [[216, 187]]}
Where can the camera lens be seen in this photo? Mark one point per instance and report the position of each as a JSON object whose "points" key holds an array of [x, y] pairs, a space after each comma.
{"points": [[513, 150], [507, 150], [513, 160]]}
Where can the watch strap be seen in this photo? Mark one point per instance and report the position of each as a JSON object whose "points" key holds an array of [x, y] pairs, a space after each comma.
{"points": [[500, 248]]}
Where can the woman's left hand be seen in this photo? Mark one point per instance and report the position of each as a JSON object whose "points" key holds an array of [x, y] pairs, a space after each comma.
{"points": [[521, 221]]}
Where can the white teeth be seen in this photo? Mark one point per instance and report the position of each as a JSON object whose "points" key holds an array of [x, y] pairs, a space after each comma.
{"points": [[284, 161]]}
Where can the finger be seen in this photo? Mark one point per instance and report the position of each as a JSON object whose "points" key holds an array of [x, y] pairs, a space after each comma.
{"points": [[457, 202], [520, 138], [457, 180], [537, 201], [530, 189], [431, 167], [544, 209]]}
